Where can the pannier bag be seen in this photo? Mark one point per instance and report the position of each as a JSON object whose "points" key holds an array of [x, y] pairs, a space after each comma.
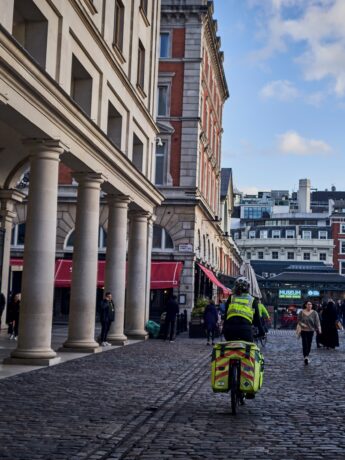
{"points": [[252, 365], [152, 328]]}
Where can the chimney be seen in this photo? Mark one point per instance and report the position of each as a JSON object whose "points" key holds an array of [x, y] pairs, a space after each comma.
{"points": [[304, 195]]}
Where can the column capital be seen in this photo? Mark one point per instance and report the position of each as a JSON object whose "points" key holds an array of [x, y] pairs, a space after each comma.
{"points": [[43, 146], [134, 214], [10, 195], [118, 200], [87, 179]]}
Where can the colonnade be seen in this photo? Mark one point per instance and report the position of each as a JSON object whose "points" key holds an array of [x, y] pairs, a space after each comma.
{"points": [[35, 325]]}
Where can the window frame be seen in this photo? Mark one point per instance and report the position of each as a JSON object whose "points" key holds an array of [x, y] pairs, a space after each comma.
{"points": [[322, 254], [290, 253], [276, 234], [341, 242], [289, 232], [275, 253], [141, 67], [166, 161], [167, 86], [305, 254], [119, 25], [323, 232], [169, 47], [305, 234]]}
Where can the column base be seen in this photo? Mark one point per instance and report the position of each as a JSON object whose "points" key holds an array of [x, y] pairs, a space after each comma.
{"points": [[32, 361], [137, 335], [80, 347], [119, 339]]}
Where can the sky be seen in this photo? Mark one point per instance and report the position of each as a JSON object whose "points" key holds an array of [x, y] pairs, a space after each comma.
{"points": [[284, 62]]}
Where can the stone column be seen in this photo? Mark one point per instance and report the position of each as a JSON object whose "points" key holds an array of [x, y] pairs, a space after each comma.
{"points": [[136, 276], [82, 312], [36, 309], [115, 268], [148, 274], [8, 198]]}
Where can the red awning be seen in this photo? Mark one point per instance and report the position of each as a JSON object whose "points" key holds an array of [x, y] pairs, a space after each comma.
{"points": [[63, 273], [165, 275], [214, 280]]}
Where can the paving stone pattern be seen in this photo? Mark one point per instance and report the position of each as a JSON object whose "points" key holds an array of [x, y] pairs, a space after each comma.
{"points": [[153, 400]]}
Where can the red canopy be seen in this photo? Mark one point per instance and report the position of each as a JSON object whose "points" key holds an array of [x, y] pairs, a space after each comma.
{"points": [[165, 275], [214, 280]]}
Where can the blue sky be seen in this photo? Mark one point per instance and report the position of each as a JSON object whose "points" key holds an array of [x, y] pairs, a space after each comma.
{"points": [[285, 68]]}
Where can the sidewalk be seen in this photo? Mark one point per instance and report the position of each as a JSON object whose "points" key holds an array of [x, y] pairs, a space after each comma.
{"points": [[59, 335]]}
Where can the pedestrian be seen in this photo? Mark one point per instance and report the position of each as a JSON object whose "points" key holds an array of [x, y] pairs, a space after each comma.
{"points": [[329, 337], [172, 310], [107, 316], [308, 321], [343, 312], [211, 321], [2, 305], [13, 316]]}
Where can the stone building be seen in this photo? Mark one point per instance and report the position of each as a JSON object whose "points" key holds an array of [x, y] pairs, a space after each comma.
{"points": [[78, 86], [192, 90]]}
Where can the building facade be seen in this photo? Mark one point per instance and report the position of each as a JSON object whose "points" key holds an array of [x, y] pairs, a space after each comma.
{"points": [[192, 91], [78, 88]]}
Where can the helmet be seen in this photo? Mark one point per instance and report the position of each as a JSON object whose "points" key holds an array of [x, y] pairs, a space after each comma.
{"points": [[242, 284]]}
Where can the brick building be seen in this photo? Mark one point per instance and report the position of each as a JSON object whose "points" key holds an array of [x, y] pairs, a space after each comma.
{"points": [[191, 227]]}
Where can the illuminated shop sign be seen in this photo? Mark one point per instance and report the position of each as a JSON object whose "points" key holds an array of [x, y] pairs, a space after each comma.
{"points": [[313, 293], [290, 294]]}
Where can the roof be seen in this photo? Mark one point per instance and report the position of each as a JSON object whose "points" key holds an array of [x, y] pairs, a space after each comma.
{"points": [[327, 195], [269, 266], [226, 175], [309, 277]]}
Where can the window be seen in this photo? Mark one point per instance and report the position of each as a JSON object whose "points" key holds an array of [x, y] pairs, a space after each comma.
{"points": [[342, 246], [290, 255], [141, 66], [236, 235], [81, 86], [306, 256], [252, 234], [114, 129], [290, 234], [18, 235], [260, 255], [323, 235], [322, 256], [138, 153], [164, 45], [30, 29], [249, 255], [306, 235], [263, 234], [119, 24], [275, 255], [163, 100], [256, 212], [161, 239], [342, 268], [275, 233], [102, 239], [161, 163]]}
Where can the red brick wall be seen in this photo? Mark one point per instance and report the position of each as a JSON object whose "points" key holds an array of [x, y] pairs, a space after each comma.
{"points": [[337, 236], [178, 44], [64, 174], [176, 98]]}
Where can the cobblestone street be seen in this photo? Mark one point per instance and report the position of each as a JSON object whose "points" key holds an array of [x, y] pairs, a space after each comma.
{"points": [[153, 400]]}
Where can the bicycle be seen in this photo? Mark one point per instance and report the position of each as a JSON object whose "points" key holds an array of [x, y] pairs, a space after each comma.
{"points": [[262, 340], [237, 396]]}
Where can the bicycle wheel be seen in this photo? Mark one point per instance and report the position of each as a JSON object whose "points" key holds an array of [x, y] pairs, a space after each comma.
{"points": [[234, 388]]}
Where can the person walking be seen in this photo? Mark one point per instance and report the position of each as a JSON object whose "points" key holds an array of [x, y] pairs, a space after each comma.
{"points": [[13, 316], [172, 310], [210, 321], [107, 316], [343, 312], [329, 337], [308, 320]]}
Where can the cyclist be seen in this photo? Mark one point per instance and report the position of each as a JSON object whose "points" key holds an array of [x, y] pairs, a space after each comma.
{"points": [[242, 311], [264, 316]]}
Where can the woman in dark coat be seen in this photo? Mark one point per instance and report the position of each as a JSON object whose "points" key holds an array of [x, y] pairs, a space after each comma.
{"points": [[329, 337], [210, 321]]}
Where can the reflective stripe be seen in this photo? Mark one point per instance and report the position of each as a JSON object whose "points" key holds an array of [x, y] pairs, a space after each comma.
{"points": [[241, 306]]}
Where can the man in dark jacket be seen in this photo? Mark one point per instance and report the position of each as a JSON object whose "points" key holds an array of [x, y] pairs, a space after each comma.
{"points": [[170, 319], [2, 305], [210, 321], [107, 316]]}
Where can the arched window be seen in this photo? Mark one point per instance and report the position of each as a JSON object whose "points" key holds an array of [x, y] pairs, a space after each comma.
{"points": [[18, 235], [161, 239], [204, 246], [102, 239]]}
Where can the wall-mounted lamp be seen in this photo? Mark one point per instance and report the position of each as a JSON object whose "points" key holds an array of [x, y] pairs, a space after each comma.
{"points": [[159, 142]]}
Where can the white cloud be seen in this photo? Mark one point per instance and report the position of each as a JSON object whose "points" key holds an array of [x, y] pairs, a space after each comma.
{"points": [[282, 90], [318, 25], [249, 190], [294, 144]]}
